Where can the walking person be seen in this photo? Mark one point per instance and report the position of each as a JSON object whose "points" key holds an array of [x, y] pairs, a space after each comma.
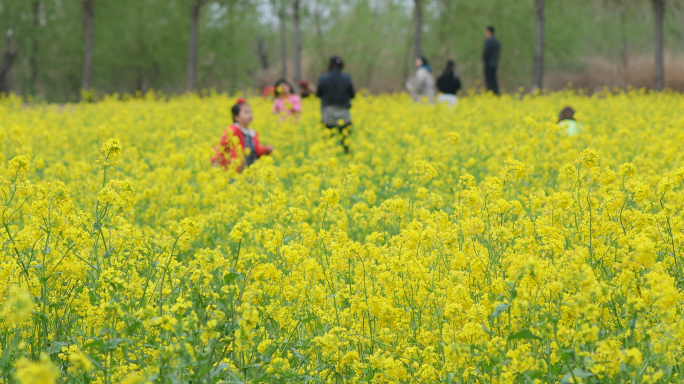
{"points": [[448, 83], [490, 59], [335, 89], [422, 84]]}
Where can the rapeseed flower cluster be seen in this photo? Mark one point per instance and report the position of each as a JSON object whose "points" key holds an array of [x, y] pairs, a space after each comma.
{"points": [[470, 245]]}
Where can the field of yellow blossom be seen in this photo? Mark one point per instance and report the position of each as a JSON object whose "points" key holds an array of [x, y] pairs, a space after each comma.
{"points": [[477, 244]]}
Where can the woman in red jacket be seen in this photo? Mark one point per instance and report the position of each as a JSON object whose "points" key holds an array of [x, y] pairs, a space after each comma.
{"points": [[239, 144]]}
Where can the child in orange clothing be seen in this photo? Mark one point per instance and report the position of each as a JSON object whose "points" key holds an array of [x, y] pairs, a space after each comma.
{"points": [[247, 149]]}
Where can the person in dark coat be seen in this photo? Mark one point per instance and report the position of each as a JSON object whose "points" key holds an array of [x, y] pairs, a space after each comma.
{"points": [[490, 59], [335, 89], [448, 83]]}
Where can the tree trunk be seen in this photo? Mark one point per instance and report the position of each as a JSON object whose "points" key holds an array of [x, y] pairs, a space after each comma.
{"points": [[261, 52], [33, 56], [283, 43], [192, 51], [417, 38], [7, 56], [539, 45], [659, 10], [88, 54], [297, 47], [233, 20], [320, 44], [408, 60], [624, 50], [370, 67]]}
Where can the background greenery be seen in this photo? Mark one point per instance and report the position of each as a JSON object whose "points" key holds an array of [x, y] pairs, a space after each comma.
{"points": [[143, 44]]}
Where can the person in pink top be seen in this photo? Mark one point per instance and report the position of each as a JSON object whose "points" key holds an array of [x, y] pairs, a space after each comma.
{"points": [[286, 102]]}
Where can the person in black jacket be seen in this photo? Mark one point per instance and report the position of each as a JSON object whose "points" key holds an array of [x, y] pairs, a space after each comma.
{"points": [[335, 90], [448, 83], [490, 59]]}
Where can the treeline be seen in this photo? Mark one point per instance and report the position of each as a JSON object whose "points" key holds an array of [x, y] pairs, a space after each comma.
{"points": [[55, 49]]}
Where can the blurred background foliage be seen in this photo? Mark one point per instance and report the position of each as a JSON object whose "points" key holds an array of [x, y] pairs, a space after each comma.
{"points": [[140, 45]]}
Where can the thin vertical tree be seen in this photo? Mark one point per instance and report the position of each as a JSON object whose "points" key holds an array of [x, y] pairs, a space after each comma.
{"points": [[319, 41], [88, 14], [297, 44], [262, 52], [659, 11], [283, 40], [33, 54], [194, 40], [7, 55], [538, 77], [624, 49], [418, 36]]}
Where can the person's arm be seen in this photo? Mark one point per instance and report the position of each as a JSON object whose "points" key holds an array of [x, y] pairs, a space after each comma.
{"points": [[277, 105], [296, 102], [486, 51], [457, 82], [350, 89], [261, 149], [229, 145], [320, 86], [422, 81], [498, 52]]}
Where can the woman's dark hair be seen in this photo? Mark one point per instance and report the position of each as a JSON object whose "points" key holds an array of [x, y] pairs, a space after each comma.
{"points": [[566, 113], [450, 66], [237, 108], [490, 29], [278, 83], [335, 62], [424, 60]]}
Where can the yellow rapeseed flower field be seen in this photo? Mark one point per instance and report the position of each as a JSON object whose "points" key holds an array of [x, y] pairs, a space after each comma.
{"points": [[477, 244]]}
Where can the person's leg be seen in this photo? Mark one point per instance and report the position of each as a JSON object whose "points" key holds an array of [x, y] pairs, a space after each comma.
{"points": [[447, 98], [345, 131], [488, 77], [495, 82]]}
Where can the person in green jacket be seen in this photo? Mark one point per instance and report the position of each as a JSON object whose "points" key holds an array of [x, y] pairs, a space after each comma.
{"points": [[566, 120]]}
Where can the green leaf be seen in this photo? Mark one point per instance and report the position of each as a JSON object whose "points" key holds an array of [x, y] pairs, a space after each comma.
{"points": [[56, 347], [487, 330], [514, 294], [133, 327], [568, 354], [261, 378], [95, 362], [112, 344], [266, 356], [218, 369], [97, 343], [524, 334], [42, 317], [499, 309], [5, 360], [299, 356], [578, 373], [230, 277]]}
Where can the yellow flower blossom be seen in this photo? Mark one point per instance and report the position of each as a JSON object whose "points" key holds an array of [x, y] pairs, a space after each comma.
{"points": [[43, 371], [508, 254]]}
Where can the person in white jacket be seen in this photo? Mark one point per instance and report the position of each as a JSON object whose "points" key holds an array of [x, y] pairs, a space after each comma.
{"points": [[422, 84]]}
